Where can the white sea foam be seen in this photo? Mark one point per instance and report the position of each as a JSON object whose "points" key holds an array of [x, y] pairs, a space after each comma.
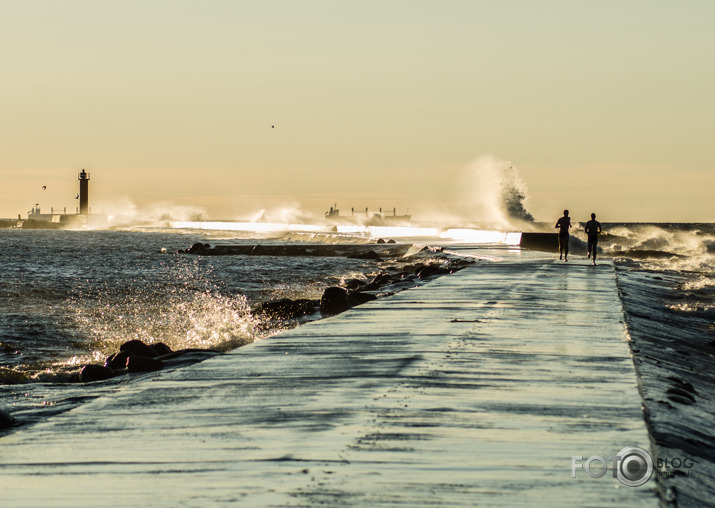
{"points": [[663, 247], [701, 283]]}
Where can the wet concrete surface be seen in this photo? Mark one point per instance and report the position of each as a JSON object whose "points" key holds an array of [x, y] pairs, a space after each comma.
{"points": [[474, 390]]}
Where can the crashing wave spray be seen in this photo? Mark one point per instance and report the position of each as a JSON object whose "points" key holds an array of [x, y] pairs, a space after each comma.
{"points": [[290, 213], [124, 212], [492, 191], [680, 247]]}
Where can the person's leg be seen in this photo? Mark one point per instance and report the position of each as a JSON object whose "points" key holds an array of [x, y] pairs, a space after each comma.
{"points": [[566, 247], [561, 247], [593, 249]]}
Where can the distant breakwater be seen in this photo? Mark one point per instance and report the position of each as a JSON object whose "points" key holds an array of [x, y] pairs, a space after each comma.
{"points": [[377, 251], [29, 224]]}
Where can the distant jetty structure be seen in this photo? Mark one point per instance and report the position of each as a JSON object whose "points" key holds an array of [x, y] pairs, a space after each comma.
{"points": [[59, 218], [366, 217]]}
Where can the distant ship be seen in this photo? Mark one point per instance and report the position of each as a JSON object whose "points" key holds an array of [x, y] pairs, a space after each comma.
{"points": [[366, 217]]}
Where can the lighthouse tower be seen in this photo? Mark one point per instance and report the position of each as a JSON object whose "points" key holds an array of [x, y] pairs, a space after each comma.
{"points": [[83, 193]]}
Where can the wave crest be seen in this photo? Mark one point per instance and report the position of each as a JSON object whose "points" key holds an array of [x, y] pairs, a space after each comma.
{"points": [[663, 247], [492, 191]]}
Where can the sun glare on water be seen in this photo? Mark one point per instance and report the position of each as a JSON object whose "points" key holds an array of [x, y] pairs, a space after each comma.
{"points": [[461, 235]]}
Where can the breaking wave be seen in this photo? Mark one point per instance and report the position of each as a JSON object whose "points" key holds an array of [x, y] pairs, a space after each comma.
{"points": [[682, 247], [492, 191]]}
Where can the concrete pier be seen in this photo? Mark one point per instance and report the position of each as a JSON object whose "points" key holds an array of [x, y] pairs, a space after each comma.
{"points": [[474, 390]]}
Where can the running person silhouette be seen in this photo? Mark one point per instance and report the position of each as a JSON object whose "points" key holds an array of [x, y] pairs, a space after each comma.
{"points": [[564, 223], [593, 228]]}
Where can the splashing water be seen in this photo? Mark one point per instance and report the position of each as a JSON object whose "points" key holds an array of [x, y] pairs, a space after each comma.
{"points": [[125, 213], [288, 214], [492, 191], [182, 310], [664, 247], [205, 320]]}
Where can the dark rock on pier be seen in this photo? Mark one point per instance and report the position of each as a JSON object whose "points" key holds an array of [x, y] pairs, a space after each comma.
{"points": [[334, 301], [138, 348], [432, 270], [118, 360], [137, 356], [426, 271], [414, 268], [94, 372], [6, 419], [358, 298], [133, 356], [381, 279], [161, 349], [143, 364]]}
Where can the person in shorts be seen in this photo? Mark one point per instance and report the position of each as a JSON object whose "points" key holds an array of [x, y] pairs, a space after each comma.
{"points": [[593, 228], [564, 223]]}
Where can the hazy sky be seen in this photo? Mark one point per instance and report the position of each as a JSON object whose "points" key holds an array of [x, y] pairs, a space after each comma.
{"points": [[602, 106]]}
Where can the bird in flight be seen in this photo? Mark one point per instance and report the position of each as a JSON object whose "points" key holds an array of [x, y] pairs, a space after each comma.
{"points": [[44, 187]]}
